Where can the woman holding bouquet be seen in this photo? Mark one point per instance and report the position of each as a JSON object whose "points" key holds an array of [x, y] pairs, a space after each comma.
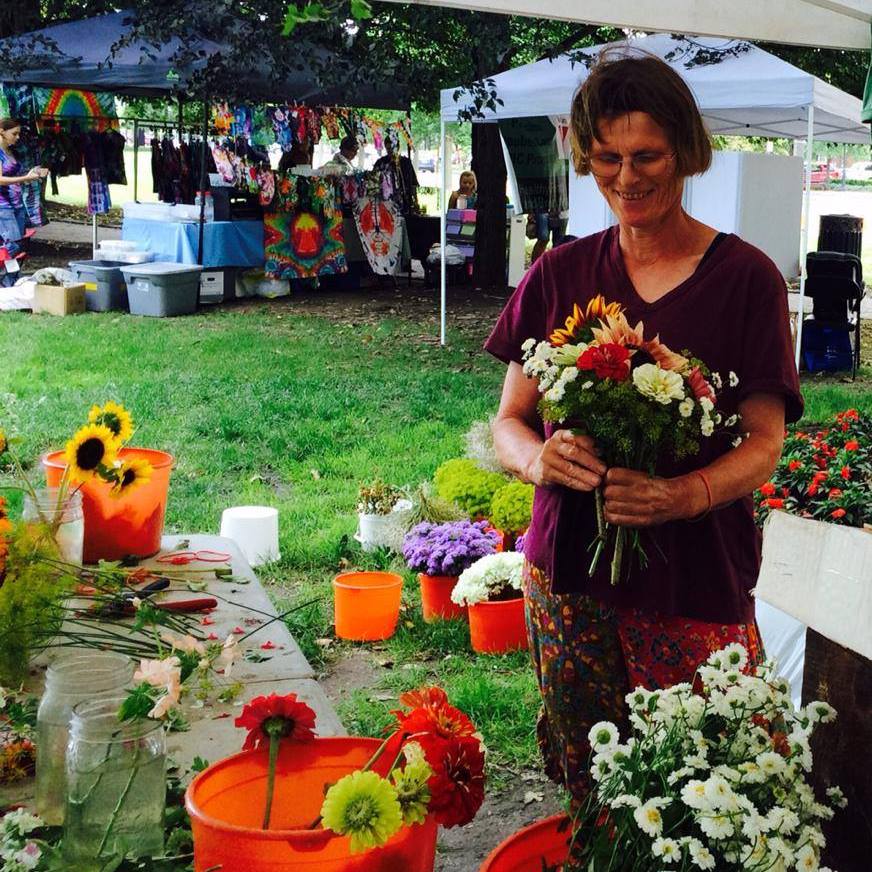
{"points": [[637, 129]]}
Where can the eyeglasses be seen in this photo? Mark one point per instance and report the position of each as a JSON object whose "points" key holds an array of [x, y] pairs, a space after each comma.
{"points": [[648, 163]]}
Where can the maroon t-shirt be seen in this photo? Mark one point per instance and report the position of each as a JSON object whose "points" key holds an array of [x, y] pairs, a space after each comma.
{"points": [[732, 314]]}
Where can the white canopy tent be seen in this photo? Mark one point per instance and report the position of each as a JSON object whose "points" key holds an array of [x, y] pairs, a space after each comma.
{"points": [[842, 24], [749, 93]]}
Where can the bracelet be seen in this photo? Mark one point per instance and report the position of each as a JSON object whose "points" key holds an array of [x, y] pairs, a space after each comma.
{"points": [[708, 491]]}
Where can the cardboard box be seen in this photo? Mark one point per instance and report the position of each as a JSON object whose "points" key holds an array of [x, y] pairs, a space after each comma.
{"points": [[59, 299]]}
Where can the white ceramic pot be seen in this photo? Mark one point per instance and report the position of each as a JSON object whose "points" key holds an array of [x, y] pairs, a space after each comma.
{"points": [[384, 531]]}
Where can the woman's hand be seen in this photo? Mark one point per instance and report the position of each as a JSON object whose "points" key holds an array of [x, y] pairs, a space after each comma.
{"points": [[567, 460], [41, 172], [636, 499]]}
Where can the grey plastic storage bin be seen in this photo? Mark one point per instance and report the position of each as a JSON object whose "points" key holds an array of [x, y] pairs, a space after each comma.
{"points": [[104, 284], [162, 289]]}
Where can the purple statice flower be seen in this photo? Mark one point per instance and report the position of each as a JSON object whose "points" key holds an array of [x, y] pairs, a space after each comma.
{"points": [[448, 549], [519, 543]]}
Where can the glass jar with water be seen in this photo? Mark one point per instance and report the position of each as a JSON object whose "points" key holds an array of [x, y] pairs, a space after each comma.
{"points": [[116, 785], [76, 678], [62, 512]]}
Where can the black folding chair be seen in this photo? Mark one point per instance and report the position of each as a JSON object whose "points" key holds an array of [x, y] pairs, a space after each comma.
{"points": [[834, 281]]}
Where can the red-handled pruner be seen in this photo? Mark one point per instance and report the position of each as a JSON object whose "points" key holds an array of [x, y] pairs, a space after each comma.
{"points": [[183, 558]]}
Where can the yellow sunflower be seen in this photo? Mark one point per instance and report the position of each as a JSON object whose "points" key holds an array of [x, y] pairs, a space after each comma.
{"points": [[4, 443], [115, 417], [596, 309], [130, 475], [93, 446]]}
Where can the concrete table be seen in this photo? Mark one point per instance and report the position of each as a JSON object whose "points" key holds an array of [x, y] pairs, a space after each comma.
{"points": [[284, 669]]}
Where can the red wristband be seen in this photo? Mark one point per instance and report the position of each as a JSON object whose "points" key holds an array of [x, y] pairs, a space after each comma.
{"points": [[708, 491]]}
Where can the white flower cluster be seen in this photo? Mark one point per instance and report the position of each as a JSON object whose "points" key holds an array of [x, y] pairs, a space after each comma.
{"points": [[730, 790], [17, 851], [487, 576]]}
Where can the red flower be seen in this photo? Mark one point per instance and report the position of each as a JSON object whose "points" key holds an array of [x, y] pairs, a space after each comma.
{"points": [[767, 489], [846, 473], [774, 504], [607, 361], [432, 715], [813, 488], [700, 387], [835, 493], [794, 465], [785, 491], [852, 445], [838, 513], [285, 714], [457, 783]]}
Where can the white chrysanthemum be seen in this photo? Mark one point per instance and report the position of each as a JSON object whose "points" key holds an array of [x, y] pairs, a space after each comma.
{"points": [[782, 820], [735, 656], [489, 574], [685, 407], [716, 380], [570, 374], [674, 777], [700, 855], [820, 712], [528, 345], [771, 763], [638, 698], [706, 426], [648, 817], [716, 826], [625, 800], [667, 849], [737, 442], [556, 393], [734, 379], [836, 797], [706, 404], [661, 385], [807, 859], [587, 386], [719, 794], [21, 822], [603, 736]]}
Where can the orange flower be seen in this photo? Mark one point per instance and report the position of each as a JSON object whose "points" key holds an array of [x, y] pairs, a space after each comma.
{"points": [[773, 504], [615, 329], [767, 489], [596, 309], [838, 513], [665, 357], [794, 465], [432, 714], [852, 445]]}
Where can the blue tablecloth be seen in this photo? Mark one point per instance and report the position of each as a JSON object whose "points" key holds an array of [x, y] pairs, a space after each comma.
{"points": [[225, 243]]}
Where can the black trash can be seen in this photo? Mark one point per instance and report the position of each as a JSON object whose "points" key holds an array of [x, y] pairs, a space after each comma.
{"points": [[841, 233]]}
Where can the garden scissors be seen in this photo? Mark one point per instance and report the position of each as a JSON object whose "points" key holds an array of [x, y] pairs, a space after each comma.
{"points": [[182, 558]]}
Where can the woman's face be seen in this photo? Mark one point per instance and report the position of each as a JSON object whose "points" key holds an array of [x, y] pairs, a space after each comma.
{"points": [[10, 137], [639, 200], [467, 185]]}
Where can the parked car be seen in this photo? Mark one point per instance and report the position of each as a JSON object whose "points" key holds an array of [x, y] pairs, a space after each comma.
{"points": [[427, 164], [859, 172], [819, 174]]}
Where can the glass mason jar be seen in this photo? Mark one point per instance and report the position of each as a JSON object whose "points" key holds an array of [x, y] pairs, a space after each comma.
{"points": [[76, 678], [64, 516], [116, 784]]}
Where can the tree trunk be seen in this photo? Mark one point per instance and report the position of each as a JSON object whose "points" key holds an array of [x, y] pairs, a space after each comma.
{"points": [[489, 269], [19, 17]]}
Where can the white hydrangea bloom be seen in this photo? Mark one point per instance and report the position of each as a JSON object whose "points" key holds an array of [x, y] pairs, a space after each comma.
{"points": [[489, 574]]}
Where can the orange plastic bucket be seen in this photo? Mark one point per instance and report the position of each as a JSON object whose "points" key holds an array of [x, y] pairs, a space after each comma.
{"points": [[366, 605], [532, 848], [226, 803], [129, 525], [436, 602], [495, 628]]}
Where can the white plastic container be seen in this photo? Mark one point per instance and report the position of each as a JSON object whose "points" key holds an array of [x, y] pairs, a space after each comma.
{"points": [[255, 529]]}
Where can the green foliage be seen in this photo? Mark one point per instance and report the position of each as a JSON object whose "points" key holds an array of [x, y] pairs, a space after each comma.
{"points": [[377, 498], [428, 506], [463, 482], [512, 507]]}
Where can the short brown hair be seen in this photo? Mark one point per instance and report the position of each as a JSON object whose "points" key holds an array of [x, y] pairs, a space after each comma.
{"points": [[620, 83], [9, 123]]}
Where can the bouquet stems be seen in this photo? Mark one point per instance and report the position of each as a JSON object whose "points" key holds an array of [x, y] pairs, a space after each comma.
{"points": [[618, 556]]}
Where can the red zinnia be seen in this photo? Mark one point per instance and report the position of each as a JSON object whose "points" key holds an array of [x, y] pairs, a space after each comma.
{"points": [[835, 493], [852, 445], [813, 488], [457, 783], [767, 489], [846, 473], [432, 714], [774, 504], [265, 711], [794, 465], [607, 361], [838, 513]]}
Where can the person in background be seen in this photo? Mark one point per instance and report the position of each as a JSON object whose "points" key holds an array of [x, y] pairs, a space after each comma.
{"points": [[464, 196], [13, 216], [343, 161], [300, 155], [550, 226], [403, 177]]}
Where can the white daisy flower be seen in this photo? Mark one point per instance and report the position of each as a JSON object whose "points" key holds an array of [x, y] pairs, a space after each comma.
{"points": [[603, 736], [707, 426], [717, 381], [806, 859], [706, 404], [734, 379], [685, 407], [700, 855], [836, 797], [771, 763], [667, 849], [648, 817], [716, 826]]}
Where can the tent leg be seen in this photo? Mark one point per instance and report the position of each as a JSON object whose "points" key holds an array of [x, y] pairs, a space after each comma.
{"points": [[135, 160], [202, 182], [443, 204], [803, 251], [94, 234]]}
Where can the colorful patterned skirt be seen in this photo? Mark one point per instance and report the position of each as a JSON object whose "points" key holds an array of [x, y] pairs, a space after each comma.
{"points": [[588, 657]]}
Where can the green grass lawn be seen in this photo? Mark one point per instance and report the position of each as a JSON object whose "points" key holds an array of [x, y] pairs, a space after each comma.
{"points": [[267, 406]]}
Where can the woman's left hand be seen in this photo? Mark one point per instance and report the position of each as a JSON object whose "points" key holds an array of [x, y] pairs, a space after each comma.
{"points": [[636, 499]]}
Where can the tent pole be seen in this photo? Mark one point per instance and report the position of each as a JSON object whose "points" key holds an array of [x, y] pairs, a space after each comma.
{"points": [[803, 251], [443, 205], [94, 234], [181, 117], [202, 185], [135, 160]]}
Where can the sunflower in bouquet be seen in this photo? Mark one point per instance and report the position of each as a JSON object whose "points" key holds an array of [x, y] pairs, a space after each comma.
{"points": [[639, 400]]}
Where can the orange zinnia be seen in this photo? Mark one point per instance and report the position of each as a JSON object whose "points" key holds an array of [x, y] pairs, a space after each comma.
{"points": [[596, 309]]}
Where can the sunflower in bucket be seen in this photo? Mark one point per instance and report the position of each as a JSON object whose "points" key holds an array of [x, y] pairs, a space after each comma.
{"points": [[93, 451]]}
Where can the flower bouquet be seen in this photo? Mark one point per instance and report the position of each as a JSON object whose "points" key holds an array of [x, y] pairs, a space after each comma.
{"points": [[714, 777], [639, 401]]}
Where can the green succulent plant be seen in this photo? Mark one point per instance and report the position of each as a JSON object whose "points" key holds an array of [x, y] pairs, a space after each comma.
{"points": [[463, 482], [512, 507]]}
